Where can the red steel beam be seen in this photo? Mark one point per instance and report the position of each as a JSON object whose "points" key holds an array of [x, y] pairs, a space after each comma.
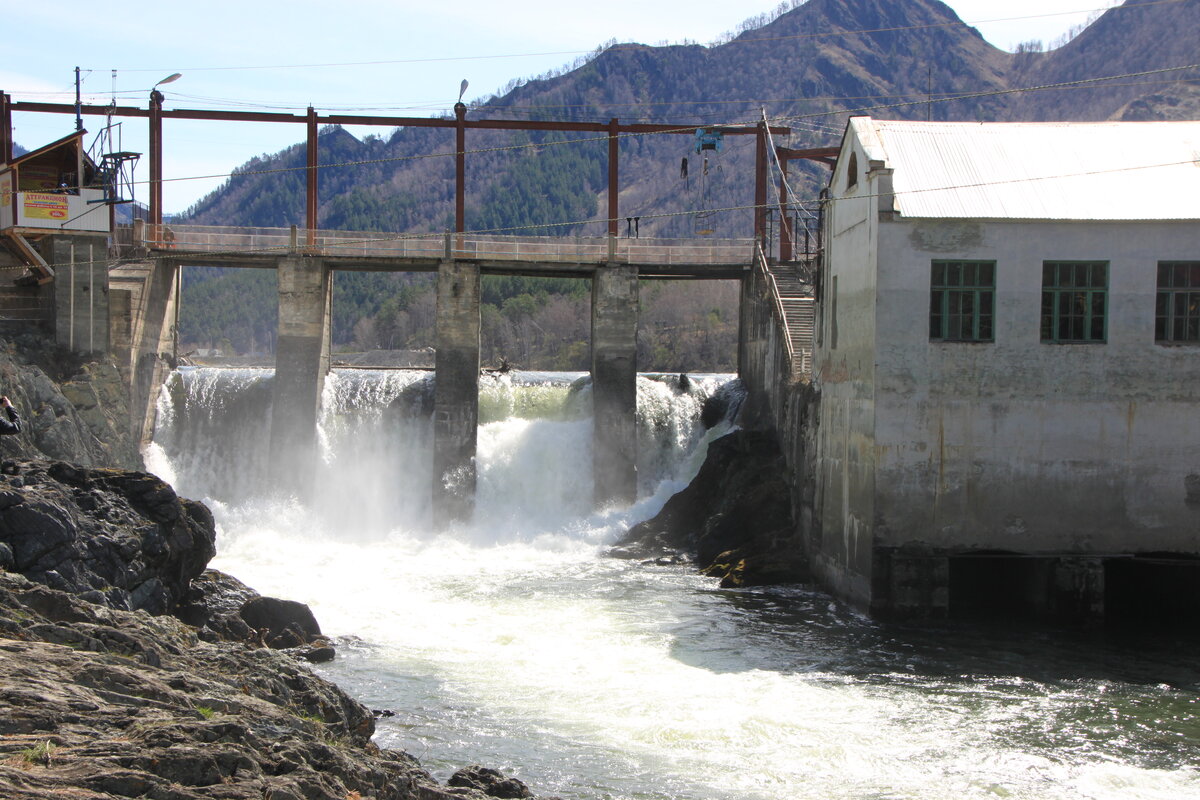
{"points": [[401, 122], [828, 155]]}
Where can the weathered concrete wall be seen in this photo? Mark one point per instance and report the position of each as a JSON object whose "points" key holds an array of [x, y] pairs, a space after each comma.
{"points": [[301, 364], [150, 357], [779, 401], [456, 395], [844, 370], [614, 383], [81, 293], [1021, 446]]}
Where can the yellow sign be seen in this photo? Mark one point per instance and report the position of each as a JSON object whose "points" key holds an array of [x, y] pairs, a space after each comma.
{"points": [[6, 189], [45, 206]]}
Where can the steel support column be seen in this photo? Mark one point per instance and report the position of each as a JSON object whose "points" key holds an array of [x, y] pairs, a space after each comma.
{"points": [[310, 204], [6, 140], [785, 222], [156, 144], [613, 180], [460, 166], [760, 186]]}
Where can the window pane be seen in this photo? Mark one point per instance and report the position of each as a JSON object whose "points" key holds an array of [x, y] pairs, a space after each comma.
{"points": [[987, 274], [939, 273], [1164, 274], [1048, 274], [985, 327], [1099, 275], [954, 274]]}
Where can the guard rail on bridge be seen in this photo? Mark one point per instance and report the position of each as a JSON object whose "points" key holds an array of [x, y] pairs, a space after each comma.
{"points": [[263, 243]]}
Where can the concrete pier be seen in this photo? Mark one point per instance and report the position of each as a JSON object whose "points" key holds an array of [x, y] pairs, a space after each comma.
{"points": [[301, 363], [456, 396], [152, 336], [614, 383], [81, 293]]}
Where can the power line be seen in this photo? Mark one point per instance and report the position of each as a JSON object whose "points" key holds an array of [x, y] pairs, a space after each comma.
{"points": [[682, 129], [632, 45]]}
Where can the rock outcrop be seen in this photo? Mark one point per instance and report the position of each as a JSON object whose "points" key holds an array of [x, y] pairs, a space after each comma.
{"points": [[734, 519], [127, 669], [101, 703], [121, 539], [74, 409]]}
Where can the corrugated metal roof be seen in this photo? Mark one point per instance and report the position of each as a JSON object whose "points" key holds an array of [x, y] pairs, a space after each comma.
{"points": [[1039, 170]]}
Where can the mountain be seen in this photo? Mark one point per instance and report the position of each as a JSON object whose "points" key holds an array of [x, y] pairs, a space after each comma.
{"points": [[809, 68]]}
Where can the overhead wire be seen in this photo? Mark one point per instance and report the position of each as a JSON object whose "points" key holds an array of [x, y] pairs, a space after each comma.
{"points": [[682, 128], [739, 39]]}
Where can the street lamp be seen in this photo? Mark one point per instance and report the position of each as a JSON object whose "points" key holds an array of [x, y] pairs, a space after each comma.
{"points": [[155, 94]]}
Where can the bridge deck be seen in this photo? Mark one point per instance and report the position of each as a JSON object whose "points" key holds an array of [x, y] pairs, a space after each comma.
{"points": [[367, 250]]}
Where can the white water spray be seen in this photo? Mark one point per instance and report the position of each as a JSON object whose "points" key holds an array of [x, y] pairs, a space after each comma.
{"points": [[511, 641]]}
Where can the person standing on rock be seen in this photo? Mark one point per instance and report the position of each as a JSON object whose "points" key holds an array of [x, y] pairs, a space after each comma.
{"points": [[13, 423]]}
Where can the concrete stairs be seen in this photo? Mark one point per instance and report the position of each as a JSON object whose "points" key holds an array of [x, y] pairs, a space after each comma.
{"points": [[799, 308]]}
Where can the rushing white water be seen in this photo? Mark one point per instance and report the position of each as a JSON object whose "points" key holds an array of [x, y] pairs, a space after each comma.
{"points": [[512, 641]]}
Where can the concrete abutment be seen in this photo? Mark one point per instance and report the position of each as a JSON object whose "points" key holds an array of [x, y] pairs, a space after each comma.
{"points": [[301, 364], [614, 383], [456, 393]]}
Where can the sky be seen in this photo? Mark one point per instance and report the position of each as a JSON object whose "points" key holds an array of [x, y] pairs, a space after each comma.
{"points": [[395, 57]]}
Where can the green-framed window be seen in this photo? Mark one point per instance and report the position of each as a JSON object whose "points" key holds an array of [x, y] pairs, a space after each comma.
{"points": [[962, 301], [1074, 301], [1177, 306]]}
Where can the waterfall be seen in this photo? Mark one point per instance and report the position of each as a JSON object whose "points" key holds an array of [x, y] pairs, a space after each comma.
{"points": [[375, 445]]}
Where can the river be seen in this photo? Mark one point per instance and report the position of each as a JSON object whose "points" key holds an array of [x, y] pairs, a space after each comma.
{"points": [[514, 642]]}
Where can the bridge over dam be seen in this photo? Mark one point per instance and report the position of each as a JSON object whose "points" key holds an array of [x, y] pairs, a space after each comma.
{"points": [[305, 263]]}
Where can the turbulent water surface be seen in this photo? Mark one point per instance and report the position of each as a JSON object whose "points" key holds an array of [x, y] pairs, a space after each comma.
{"points": [[513, 642]]}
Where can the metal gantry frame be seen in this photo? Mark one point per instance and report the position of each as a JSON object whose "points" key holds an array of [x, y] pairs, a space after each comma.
{"points": [[613, 130]]}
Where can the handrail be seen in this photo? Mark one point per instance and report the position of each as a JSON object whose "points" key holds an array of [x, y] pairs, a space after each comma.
{"points": [[548, 249], [780, 314]]}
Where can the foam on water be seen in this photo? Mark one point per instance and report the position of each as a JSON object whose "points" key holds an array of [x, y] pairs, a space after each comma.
{"points": [[512, 641]]}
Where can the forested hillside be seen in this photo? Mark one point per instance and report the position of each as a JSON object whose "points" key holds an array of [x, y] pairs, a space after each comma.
{"points": [[807, 66]]}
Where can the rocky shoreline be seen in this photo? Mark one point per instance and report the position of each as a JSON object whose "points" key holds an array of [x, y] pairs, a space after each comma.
{"points": [[129, 670]]}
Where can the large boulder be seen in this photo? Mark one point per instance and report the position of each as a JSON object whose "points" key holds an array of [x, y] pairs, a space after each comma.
{"points": [[734, 519], [491, 782], [121, 539]]}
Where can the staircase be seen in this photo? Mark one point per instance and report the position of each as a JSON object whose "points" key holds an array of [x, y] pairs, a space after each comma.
{"points": [[796, 298]]}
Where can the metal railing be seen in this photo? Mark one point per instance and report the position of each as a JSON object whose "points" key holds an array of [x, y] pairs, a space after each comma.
{"points": [[760, 263], [214, 239]]}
